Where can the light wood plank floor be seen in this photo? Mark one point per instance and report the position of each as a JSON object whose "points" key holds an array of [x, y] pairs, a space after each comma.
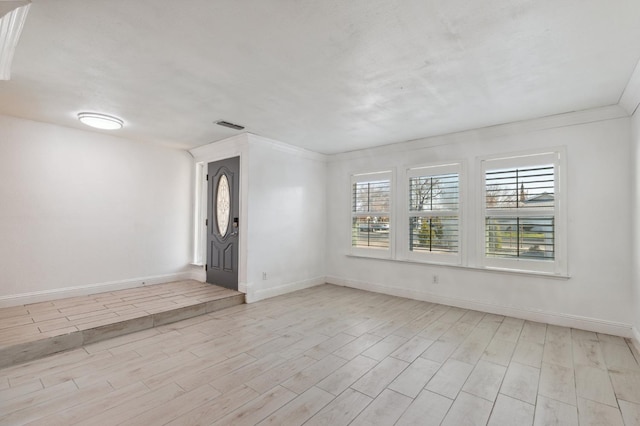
{"points": [[333, 356], [31, 331]]}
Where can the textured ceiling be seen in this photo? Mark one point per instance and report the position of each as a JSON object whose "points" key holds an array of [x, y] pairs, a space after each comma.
{"points": [[329, 76]]}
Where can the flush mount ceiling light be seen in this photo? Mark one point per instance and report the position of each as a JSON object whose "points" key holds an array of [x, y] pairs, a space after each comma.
{"points": [[12, 17], [100, 121]]}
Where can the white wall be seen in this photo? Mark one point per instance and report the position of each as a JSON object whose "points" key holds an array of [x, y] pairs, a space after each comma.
{"points": [[85, 212], [635, 120], [597, 296], [282, 214], [287, 218]]}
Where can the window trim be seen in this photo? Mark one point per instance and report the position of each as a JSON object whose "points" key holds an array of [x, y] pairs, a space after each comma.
{"points": [[557, 157], [374, 252], [433, 170]]}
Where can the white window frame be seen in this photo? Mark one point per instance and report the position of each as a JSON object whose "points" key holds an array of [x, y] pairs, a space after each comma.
{"points": [[377, 252], [425, 171], [199, 215], [557, 157]]}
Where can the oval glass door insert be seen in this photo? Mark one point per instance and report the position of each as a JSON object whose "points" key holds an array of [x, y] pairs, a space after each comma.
{"points": [[223, 210]]}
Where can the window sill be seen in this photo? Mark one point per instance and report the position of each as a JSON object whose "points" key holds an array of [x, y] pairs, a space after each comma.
{"points": [[469, 268]]}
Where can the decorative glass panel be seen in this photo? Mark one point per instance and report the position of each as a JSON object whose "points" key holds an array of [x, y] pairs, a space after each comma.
{"points": [[223, 210]]}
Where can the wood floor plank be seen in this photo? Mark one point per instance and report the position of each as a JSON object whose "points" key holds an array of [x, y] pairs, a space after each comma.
{"points": [[36, 369], [323, 355], [380, 376], [275, 376], [412, 349], [346, 375], [595, 413], [414, 378], [626, 385], [300, 409], [68, 397], [176, 407], [552, 412], [427, 409], [630, 412], [511, 411], [330, 345], [521, 382], [246, 373], [528, 353], [384, 410], [588, 352], [558, 347], [594, 384], [342, 410], [468, 410], [558, 382], [499, 352], [450, 378], [310, 376], [148, 369], [357, 346], [9, 393], [73, 415], [178, 371], [86, 366], [485, 380], [34, 399], [510, 329], [134, 406], [217, 408], [198, 378], [385, 347], [257, 409]]}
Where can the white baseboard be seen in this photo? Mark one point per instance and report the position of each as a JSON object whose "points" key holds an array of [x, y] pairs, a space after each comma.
{"points": [[554, 318], [85, 290], [256, 295], [199, 274]]}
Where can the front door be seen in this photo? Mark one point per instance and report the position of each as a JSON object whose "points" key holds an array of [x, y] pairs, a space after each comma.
{"points": [[222, 222]]}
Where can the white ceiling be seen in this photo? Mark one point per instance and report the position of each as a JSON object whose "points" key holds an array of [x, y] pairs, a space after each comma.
{"points": [[326, 75]]}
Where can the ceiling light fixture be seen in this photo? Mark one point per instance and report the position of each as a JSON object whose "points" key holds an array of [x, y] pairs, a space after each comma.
{"points": [[12, 17], [100, 121]]}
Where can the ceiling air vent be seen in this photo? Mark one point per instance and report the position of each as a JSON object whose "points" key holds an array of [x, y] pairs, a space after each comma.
{"points": [[229, 125]]}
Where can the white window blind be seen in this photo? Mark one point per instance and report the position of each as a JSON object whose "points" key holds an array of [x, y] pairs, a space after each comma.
{"points": [[521, 212], [433, 213]]}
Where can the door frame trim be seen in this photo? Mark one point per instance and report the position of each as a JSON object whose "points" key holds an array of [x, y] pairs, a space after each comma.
{"points": [[234, 147]]}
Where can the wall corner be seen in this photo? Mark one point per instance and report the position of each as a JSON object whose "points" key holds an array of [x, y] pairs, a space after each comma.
{"points": [[630, 98]]}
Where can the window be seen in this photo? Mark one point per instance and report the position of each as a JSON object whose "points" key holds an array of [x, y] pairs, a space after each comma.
{"points": [[433, 204], [370, 212], [521, 217]]}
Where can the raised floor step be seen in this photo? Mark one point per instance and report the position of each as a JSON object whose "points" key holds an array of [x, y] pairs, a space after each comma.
{"points": [[29, 332]]}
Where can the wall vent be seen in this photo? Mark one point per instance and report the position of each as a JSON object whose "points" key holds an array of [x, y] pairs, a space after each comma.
{"points": [[229, 125]]}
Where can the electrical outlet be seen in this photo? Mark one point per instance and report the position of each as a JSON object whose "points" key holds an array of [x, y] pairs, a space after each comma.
{"points": [[264, 275], [435, 279]]}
